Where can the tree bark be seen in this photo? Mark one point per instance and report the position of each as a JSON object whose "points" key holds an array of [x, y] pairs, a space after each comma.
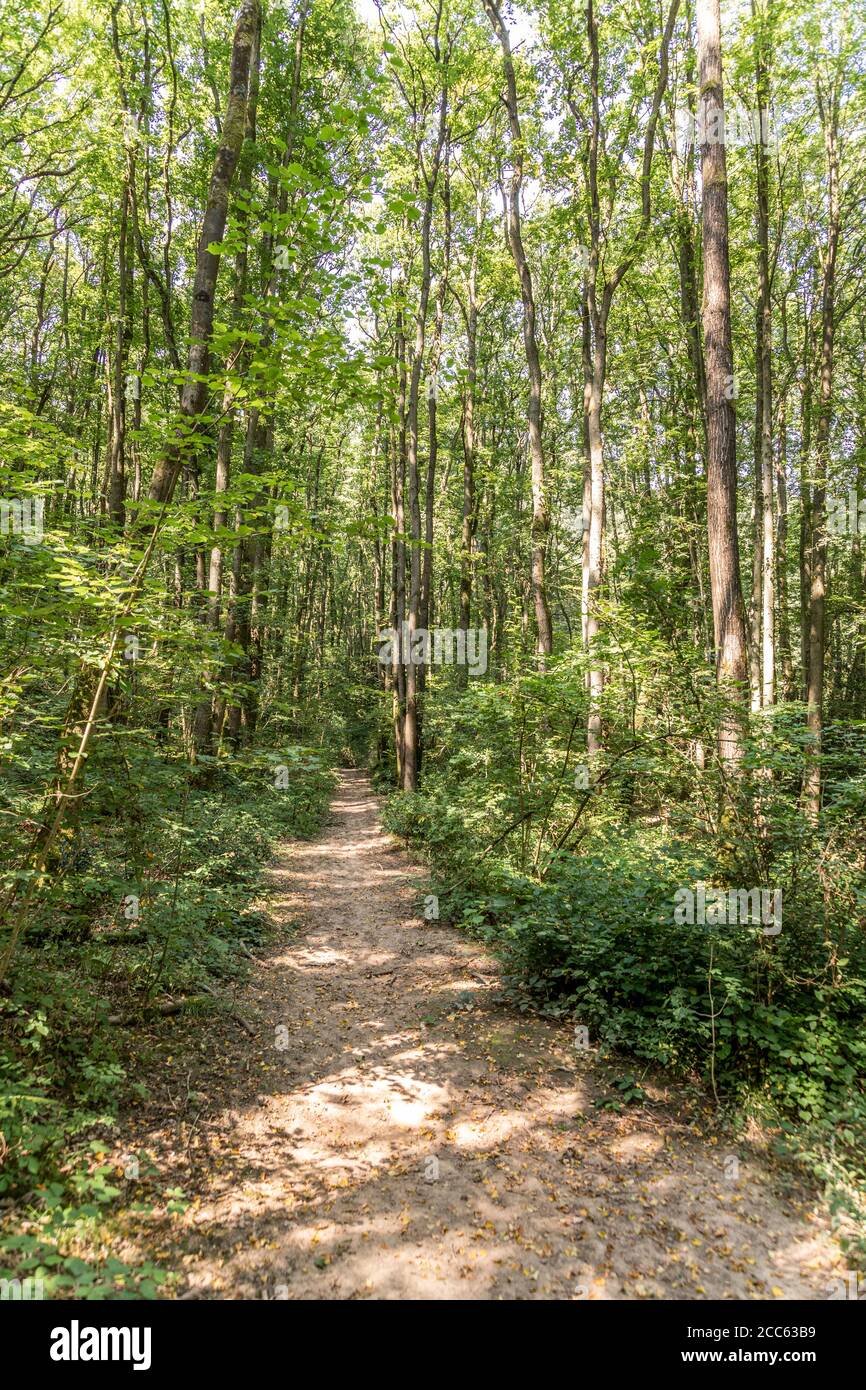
{"points": [[727, 595], [204, 715], [764, 349], [540, 515], [182, 449], [470, 514], [829, 108], [411, 719]]}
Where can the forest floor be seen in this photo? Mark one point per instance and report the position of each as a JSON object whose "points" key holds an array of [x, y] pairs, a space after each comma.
{"points": [[384, 1124]]}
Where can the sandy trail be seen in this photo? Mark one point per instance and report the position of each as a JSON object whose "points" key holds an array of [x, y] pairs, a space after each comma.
{"points": [[393, 1130]]}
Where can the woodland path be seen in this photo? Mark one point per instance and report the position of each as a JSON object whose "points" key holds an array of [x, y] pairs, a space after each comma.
{"points": [[411, 1135]]}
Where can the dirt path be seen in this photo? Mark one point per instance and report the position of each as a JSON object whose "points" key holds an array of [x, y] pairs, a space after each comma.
{"points": [[392, 1130]]}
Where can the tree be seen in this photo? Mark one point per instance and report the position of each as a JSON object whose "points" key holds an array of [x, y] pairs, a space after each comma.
{"points": [[723, 542], [534, 415], [193, 394]]}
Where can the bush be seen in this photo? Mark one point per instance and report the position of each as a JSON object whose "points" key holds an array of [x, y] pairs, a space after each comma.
{"points": [[577, 893]]}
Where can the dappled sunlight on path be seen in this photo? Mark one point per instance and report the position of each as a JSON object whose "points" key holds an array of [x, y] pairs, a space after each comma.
{"points": [[396, 1130]]}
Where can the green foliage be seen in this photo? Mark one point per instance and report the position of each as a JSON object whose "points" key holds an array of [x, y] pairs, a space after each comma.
{"points": [[362, 451], [583, 913], [65, 1069]]}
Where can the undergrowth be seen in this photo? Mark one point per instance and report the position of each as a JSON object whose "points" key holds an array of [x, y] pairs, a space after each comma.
{"points": [[153, 906], [577, 891]]}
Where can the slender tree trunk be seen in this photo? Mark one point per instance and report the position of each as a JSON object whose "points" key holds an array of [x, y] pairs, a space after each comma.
{"points": [[470, 515], [829, 107], [781, 549], [805, 462], [117, 461], [764, 356], [258, 442], [595, 545], [194, 391], [411, 718], [754, 608], [540, 515], [398, 559], [205, 710], [433, 410], [727, 595]]}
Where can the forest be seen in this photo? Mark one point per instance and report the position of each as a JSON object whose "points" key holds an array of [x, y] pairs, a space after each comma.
{"points": [[433, 625]]}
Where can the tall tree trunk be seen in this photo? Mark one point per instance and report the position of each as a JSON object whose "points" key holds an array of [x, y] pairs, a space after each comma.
{"points": [[805, 464], [194, 391], [411, 717], [470, 514], [203, 728], [398, 551], [117, 461], [540, 515], [683, 177], [433, 409], [258, 442], [116, 498], [764, 356], [781, 549], [829, 108], [728, 614], [753, 616]]}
